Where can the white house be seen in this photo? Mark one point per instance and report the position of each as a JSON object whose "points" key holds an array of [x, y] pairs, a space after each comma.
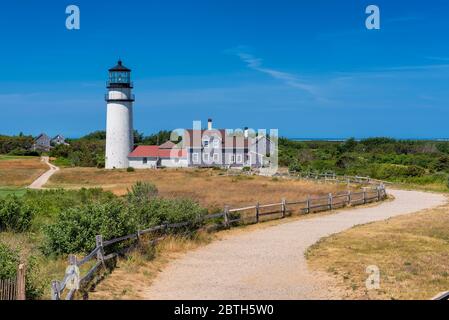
{"points": [[207, 148]]}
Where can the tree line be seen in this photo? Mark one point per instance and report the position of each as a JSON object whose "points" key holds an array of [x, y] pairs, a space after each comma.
{"points": [[87, 151], [413, 161]]}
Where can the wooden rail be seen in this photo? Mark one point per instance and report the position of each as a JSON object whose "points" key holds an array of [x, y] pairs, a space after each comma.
{"points": [[227, 218], [442, 296], [14, 288]]}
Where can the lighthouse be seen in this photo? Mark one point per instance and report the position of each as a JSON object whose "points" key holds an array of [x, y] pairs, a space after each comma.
{"points": [[119, 119]]}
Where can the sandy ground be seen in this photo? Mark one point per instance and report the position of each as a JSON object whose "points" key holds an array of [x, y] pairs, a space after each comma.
{"points": [[42, 180], [269, 263]]}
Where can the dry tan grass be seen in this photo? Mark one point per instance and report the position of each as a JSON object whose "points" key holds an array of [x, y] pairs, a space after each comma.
{"points": [[209, 187], [20, 171], [412, 253]]}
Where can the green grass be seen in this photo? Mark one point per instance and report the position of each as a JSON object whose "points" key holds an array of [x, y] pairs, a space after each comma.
{"points": [[62, 162], [4, 191], [7, 157]]}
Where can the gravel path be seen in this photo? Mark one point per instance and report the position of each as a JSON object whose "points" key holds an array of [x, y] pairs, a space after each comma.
{"points": [[42, 180], [269, 263]]}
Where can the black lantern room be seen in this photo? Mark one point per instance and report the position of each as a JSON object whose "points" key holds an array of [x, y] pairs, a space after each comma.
{"points": [[119, 76]]}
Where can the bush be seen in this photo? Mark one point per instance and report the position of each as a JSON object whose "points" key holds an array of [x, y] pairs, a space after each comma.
{"points": [[24, 152], [15, 215], [395, 171], [159, 211], [47, 204], [141, 193], [9, 261], [295, 166], [130, 169], [76, 228]]}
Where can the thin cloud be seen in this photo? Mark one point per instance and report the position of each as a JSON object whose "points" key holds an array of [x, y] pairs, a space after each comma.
{"points": [[439, 58], [288, 78]]}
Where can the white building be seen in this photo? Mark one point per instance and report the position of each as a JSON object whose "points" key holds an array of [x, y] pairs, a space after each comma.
{"points": [[199, 148], [119, 123]]}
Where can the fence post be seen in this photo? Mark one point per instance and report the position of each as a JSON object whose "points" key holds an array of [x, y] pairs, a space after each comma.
{"points": [[55, 290], [330, 201], [349, 197], [364, 195], [226, 216], [257, 212], [99, 244], [378, 193], [308, 204], [283, 209]]}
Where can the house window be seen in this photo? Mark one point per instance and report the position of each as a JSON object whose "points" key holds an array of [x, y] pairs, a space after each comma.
{"points": [[206, 141], [232, 158], [206, 157], [145, 160], [216, 157], [216, 143], [239, 158], [195, 157]]}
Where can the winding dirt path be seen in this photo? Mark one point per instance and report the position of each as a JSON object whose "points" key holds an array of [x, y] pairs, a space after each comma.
{"points": [[269, 263], [43, 179]]}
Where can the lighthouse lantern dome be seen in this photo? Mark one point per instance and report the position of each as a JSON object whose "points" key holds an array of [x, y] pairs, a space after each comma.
{"points": [[119, 76]]}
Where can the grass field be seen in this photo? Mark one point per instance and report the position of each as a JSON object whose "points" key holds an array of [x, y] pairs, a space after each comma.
{"points": [[211, 188], [4, 191], [412, 253], [16, 172]]}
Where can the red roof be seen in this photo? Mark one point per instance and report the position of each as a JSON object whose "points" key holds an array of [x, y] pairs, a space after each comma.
{"points": [[155, 152]]}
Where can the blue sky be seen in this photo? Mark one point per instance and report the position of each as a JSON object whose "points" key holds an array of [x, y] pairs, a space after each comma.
{"points": [[307, 68]]}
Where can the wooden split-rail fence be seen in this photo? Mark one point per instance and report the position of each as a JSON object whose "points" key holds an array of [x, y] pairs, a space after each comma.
{"points": [[227, 218], [14, 288]]}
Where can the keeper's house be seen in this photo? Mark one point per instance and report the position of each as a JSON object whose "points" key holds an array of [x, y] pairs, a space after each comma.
{"points": [[151, 157], [207, 148]]}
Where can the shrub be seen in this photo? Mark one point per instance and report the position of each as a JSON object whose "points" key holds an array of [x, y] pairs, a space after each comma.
{"points": [[246, 169], [9, 261], [24, 152], [142, 192], [15, 215], [295, 166], [130, 169], [47, 204], [76, 228], [394, 171], [159, 211]]}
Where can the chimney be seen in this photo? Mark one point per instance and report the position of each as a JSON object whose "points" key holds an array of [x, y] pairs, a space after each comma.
{"points": [[209, 124], [245, 133]]}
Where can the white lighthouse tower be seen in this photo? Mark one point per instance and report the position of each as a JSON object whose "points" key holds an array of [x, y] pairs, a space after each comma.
{"points": [[119, 123]]}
